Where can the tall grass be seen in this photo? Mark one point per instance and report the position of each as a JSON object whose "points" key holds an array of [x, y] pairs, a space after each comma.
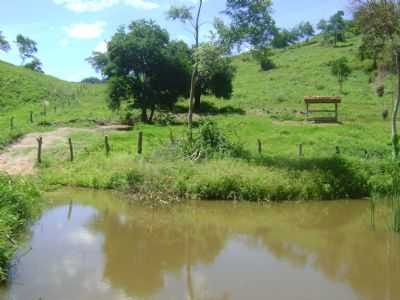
{"points": [[396, 199], [19, 203]]}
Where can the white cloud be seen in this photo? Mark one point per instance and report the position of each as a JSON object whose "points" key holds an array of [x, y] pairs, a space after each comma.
{"points": [[101, 47], [143, 4], [81, 6], [85, 31], [86, 5]]}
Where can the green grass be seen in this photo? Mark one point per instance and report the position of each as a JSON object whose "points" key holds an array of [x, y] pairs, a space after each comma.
{"points": [[66, 104], [266, 106], [19, 203]]}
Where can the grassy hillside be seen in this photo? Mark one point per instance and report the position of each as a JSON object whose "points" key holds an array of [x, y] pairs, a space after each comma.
{"points": [[53, 102], [266, 106]]}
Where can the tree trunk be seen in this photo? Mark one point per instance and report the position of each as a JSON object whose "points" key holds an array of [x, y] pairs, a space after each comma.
{"points": [[144, 115], [395, 136], [195, 72], [197, 98], [153, 108]]}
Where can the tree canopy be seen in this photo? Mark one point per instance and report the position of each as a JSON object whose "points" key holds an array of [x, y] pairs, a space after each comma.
{"points": [[4, 45], [333, 30], [146, 68], [251, 23], [35, 65], [27, 48]]}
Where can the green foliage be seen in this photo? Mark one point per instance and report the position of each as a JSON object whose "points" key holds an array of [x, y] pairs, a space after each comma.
{"points": [[251, 23], [92, 80], [99, 61], [27, 48], [263, 57], [209, 141], [4, 45], [182, 13], [333, 30], [341, 69], [146, 68], [35, 65], [19, 203], [215, 72]]}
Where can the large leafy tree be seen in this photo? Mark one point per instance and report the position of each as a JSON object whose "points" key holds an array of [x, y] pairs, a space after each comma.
{"points": [[251, 23], [27, 47], [99, 61], [146, 69], [215, 73], [333, 30], [379, 24], [4, 45]]}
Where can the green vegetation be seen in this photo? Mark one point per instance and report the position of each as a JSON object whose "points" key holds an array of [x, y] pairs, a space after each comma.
{"points": [[19, 203]]}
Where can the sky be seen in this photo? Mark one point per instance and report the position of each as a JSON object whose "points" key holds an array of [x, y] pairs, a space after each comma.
{"points": [[68, 31]]}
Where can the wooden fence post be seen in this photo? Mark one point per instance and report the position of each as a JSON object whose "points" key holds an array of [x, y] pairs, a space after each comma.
{"points": [[71, 149], [107, 145], [39, 153], [12, 123], [300, 150], [31, 116], [171, 137], [337, 150], [140, 143], [259, 146]]}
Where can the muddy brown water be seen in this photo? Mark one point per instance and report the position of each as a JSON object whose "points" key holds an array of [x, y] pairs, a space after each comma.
{"points": [[103, 248]]}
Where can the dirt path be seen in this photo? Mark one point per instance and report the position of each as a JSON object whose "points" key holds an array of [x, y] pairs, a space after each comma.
{"points": [[20, 157]]}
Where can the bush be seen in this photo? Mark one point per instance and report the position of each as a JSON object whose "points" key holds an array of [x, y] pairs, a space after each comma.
{"points": [[209, 142], [263, 57], [19, 202]]}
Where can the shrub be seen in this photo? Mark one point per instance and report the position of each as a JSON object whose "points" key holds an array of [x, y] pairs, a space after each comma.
{"points": [[19, 202], [263, 57]]}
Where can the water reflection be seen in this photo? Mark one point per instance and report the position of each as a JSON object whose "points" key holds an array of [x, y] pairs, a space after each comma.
{"points": [[98, 247]]}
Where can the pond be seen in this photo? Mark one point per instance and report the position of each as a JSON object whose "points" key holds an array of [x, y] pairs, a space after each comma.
{"points": [[102, 247]]}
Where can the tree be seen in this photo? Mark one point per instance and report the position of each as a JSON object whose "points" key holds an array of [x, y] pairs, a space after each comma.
{"points": [[251, 23], [215, 73], [284, 37], [333, 31], [91, 80], [27, 48], [341, 70], [380, 20], [35, 65], [146, 69], [99, 61], [4, 45], [263, 57], [185, 15], [306, 30]]}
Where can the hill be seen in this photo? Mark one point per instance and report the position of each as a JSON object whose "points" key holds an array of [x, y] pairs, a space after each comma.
{"points": [[266, 107], [52, 101]]}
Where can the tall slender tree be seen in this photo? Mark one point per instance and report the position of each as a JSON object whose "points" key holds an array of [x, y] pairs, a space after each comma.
{"points": [[186, 16]]}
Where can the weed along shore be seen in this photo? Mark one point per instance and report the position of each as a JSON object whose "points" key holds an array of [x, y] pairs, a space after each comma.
{"points": [[261, 160]]}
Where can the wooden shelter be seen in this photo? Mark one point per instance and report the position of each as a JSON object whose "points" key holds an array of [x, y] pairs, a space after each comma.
{"points": [[333, 100]]}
